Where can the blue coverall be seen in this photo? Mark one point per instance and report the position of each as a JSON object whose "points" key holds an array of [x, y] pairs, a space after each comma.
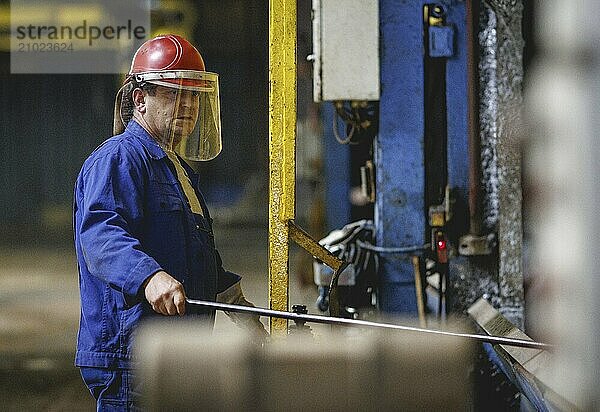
{"points": [[132, 219]]}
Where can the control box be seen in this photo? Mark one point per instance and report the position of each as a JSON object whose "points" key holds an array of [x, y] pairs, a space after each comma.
{"points": [[345, 50]]}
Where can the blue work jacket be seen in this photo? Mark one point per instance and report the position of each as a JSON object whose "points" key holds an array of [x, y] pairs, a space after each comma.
{"points": [[132, 219]]}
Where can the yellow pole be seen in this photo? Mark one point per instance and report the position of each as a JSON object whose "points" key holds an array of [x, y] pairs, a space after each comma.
{"points": [[282, 150]]}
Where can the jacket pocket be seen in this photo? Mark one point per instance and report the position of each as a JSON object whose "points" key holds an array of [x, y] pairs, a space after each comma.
{"points": [[164, 226], [130, 318], [163, 198], [110, 321]]}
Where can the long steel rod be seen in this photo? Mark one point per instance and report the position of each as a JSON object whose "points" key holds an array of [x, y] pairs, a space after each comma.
{"points": [[356, 322]]}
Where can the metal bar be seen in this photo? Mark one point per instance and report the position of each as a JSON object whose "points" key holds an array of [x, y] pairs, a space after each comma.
{"points": [[356, 322], [475, 202], [306, 242], [419, 290], [282, 147]]}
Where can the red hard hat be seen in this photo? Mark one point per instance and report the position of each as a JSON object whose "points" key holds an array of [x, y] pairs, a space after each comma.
{"points": [[168, 53]]}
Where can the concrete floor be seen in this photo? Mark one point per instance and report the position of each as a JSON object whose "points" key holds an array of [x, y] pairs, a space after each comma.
{"points": [[39, 315]]}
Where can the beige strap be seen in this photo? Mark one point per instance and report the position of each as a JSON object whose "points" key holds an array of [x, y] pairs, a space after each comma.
{"points": [[185, 183]]}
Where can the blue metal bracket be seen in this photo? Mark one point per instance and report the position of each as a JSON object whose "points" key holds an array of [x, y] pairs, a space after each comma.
{"points": [[441, 41]]}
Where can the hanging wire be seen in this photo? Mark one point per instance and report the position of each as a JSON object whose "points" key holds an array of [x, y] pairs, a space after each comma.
{"points": [[336, 133], [359, 117], [349, 238], [395, 250]]}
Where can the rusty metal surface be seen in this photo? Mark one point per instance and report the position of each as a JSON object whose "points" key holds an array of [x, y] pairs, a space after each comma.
{"points": [[509, 81], [499, 277], [282, 146], [306, 242]]}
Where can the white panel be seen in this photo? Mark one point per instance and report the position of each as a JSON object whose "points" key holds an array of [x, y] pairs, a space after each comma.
{"points": [[346, 49]]}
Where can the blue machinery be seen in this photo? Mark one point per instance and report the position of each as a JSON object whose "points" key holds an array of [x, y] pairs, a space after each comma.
{"points": [[422, 145], [400, 158], [405, 78], [430, 189]]}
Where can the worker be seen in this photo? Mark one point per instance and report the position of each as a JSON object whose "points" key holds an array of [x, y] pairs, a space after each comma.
{"points": [[143, 233]]}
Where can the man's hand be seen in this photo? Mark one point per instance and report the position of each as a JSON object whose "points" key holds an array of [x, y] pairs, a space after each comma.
{"points": [[165, 294]]}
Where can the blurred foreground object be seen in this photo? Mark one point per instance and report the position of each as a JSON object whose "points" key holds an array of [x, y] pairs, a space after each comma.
{"points": [[563, 169], [186, 370]]}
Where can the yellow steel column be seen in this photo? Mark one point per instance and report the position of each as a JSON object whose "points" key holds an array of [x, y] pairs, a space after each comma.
{"points": [[282, 150]]}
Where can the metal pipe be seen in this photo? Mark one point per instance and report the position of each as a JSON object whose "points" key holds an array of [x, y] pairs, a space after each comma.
{"points": [[475, 198], [496, 340]]}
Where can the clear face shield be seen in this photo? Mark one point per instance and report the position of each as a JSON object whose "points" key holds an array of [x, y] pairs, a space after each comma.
{"points": [[184, 111]]}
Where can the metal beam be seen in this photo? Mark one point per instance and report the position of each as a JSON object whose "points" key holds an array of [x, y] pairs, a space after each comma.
{"points": [[399, 157], [306, 242], [282, 147]]}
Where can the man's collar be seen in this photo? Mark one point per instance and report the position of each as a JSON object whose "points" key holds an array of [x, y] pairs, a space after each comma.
{"points": [[155, 151]]}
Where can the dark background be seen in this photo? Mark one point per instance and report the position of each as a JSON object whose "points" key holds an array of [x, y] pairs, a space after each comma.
{"points": [[50, 123]]}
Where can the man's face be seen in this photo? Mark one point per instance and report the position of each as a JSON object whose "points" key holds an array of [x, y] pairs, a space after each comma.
{"points": [[171, 114]]}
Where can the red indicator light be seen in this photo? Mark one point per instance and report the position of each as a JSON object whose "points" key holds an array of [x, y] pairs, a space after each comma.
{"points": [[441, 244]]}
